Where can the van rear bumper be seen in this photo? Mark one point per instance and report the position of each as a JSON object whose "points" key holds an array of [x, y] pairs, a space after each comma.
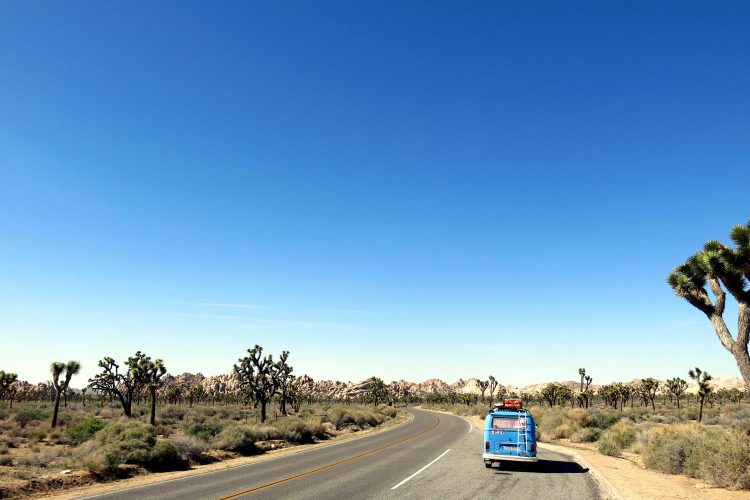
{"points": [[510, 458]]}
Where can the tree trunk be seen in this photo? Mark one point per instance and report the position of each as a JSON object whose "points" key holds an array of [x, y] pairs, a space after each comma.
{"points": [[262, 411], [743, 362], [153, 405], [57, 408], [700, 413]]}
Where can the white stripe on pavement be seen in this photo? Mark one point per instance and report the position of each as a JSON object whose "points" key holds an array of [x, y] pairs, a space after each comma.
{"points": [[420, 470]]}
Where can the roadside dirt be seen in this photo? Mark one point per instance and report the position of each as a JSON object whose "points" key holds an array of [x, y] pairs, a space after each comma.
{"points": [[630, 480], [99, 488]]}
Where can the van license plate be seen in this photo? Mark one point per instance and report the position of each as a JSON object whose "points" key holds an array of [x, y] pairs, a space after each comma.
{"points": [[509, 447]]}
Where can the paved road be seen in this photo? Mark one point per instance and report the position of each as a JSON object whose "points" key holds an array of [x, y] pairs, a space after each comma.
{"points": [[372, 466]]}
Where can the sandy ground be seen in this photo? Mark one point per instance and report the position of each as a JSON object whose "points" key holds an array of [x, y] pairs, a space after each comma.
{"points": [[201, 469], [626, 478]]}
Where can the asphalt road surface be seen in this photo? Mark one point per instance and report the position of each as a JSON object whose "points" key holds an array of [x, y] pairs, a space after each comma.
{"points": [[433, 456]]}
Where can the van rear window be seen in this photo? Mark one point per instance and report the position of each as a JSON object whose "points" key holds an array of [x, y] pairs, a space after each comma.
{"points": [[508, 423]]}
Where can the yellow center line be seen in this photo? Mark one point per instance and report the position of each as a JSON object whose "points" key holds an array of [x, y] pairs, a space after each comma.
{"points": [[329, 466]]}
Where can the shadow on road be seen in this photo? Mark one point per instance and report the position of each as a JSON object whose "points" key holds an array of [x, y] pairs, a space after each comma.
{"points": [[543, 467]]}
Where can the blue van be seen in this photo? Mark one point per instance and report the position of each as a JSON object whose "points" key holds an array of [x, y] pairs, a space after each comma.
{"points": [[509, 434]]}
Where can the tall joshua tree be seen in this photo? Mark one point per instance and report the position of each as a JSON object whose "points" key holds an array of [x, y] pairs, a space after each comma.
{"points": [[257, 375], [148, 374], [582, 373], [492, 387], [704, 387], [57, 368], [676, 386], [721, 268], [7, 379], [648, 388], [483, 385], [284, 371], [111, 381]]}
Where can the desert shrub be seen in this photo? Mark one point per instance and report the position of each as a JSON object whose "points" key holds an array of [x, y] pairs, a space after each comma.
{"points": [[129, 442], [34, 434], [623, 433], [580, 417], [674, 450], [85, 430], [3, 449], [562, 431], [297, 430], [586, 435], [58, 437], [165, 456], [390, 412], [602, 419], [725, 460], [266, 432], [207, 429], [609, 446], [42, 458], [191, 448], [239, 438], [172, 413], [29, 414], [6, 460]]}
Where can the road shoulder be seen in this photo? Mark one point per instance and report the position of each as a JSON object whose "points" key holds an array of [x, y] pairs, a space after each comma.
{"points": [[153, 478], [622, 478]]}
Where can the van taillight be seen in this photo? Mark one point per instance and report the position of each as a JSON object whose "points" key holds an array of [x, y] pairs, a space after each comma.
{"points": [[533, 446], [487, 445]]}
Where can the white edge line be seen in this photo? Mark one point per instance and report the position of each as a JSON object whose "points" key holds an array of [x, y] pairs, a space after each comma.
{"points": [[420, 470], [471, 426]]}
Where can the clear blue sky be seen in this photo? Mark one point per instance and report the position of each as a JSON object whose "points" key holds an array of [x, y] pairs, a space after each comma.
{"points": [[413, 190]]}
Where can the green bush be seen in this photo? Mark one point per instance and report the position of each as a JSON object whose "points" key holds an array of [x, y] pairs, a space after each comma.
{"points": [[29, 414], [602, 419], [129, 442], [85, 430], [239, 438], [165, 456], [208, 429]]}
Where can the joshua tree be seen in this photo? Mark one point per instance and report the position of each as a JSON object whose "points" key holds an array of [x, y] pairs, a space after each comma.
{"points": [[483, 385], [122, 385], [148, 374], [554, 393], [648, 388], [57, 368], [721, 268], [377, 393], [7, 380], [492, 387], [257, 375], [587, 394], [704, 387], [676, 386], [582, 373], [284, 372]]}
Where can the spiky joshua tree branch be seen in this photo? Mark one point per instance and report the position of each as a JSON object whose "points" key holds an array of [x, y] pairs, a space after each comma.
{"points": [[721, 269]]}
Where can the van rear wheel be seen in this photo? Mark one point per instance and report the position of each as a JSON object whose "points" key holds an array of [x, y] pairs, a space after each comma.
{"points": [[488, 465]]}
